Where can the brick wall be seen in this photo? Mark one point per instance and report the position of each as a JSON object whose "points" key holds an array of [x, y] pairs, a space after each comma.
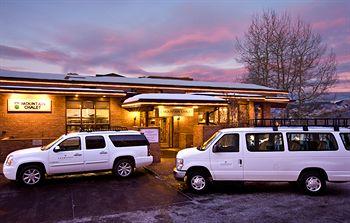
{"points": [[33, 125]]}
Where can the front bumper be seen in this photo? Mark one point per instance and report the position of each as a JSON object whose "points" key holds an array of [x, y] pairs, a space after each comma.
{"points": [[179, 174], [9, 172]]}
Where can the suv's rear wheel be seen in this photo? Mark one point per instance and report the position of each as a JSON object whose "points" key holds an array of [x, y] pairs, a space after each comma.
{"points": [[198, 181], [123, 168], [31, 175], [313, 183]]}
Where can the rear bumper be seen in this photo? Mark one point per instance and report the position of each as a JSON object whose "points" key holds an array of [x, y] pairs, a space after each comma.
{"points": [[179, 174], [143, 161]]}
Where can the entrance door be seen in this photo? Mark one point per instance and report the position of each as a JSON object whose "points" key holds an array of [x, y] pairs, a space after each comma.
{"points": [[166, 132], [226, 158]]}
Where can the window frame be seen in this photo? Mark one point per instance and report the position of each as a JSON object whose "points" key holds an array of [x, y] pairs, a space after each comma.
{"points": [[60, 150], [99, 136], [329, 133], [220, 151], [263, 133], [342, 139]]}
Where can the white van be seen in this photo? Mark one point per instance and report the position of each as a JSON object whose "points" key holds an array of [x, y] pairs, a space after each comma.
{"points": [[307, 155], [119, 151]]}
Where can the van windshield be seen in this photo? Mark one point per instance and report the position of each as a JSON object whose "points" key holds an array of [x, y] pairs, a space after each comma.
{"points": [[206, 143], [48, 146]]}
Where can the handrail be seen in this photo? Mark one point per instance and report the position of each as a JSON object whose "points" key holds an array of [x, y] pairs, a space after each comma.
{"points": [[325, 122]]}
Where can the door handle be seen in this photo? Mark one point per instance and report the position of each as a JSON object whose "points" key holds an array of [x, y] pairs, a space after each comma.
{"points": [[103, 152], [77, 154]]}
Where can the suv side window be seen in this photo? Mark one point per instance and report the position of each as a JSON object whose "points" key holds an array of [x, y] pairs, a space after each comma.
{"points": [[311, 142], [264, 142], [95, 142], [128, 140], [345, 137], [70, 144], [227, 143]]}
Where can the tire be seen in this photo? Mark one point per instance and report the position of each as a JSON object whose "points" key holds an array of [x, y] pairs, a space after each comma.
{"points": [[31, 175], [313, 183], [123, 168], [198, 182]]}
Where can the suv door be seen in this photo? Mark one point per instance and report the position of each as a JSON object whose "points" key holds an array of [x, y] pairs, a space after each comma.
{"points": [[66, 157], [96, 153], [226, 158]]}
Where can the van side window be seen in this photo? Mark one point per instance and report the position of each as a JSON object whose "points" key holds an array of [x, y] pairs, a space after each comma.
{"points": [[70, 144], [264, 142], [95, 142], [311, 142], [228, 143], [345, 137], [128, 140]]}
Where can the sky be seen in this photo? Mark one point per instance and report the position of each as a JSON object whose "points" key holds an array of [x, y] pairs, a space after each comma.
{"points": [[137, 38]]}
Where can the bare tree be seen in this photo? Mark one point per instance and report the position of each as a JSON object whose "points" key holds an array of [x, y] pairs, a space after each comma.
{"points": [[286, 54]]}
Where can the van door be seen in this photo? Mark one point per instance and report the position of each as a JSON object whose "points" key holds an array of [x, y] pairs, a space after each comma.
{"points": [[226, 158], [96, 153], [66, 157]]}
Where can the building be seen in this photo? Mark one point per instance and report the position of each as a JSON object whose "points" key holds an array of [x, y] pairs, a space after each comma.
{"points": [[35, 108]]}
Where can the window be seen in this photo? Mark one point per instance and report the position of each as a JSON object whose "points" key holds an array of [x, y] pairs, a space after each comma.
{"points": [[128, 140], [228, 143], [95, 142], [70, 144], [311, 142], [345, 137], [264, 142]]}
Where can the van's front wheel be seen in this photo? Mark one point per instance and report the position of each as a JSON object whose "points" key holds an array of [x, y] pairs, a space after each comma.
{"points": [[31, 175], [198, 182], [313, 183]]}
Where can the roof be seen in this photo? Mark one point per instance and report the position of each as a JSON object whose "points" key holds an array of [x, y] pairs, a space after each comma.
{"points": [[160, 82], [172, 97]]}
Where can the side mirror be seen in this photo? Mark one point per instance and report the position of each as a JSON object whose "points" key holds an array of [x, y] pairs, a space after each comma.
{"points": [[216, 148], [57, 149]]}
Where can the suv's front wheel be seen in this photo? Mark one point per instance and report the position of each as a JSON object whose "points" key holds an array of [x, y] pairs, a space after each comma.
{"points": [[123, 168], [198, 181], [31, 175]]}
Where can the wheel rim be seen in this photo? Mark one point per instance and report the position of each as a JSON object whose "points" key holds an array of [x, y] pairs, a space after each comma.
{"points": [[313, 184], [31, 176], [198, 182], [124, 169]]}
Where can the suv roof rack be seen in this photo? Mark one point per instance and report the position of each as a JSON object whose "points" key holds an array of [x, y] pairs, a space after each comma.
{"points": [[106, 129], [305, 123]]}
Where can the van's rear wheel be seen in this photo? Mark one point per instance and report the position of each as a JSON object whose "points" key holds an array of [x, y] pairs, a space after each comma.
{"points": [[123, 168], [198, 182], [31, 175], [313, 183]]}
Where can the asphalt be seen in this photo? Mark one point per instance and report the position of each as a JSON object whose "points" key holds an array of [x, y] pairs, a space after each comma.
{"points": [[90, 195]]}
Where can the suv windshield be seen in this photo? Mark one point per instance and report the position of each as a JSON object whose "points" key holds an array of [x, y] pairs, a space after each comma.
{"points": [[206, 143], [48, 146]]}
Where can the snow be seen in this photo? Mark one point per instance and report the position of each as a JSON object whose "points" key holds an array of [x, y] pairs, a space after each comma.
{"points": [[61, 89], [131, 81], [172, 97]]}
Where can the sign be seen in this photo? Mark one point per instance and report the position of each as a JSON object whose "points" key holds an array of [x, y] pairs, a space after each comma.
{"points": [[152, 135], [29, 105], [175, 111]]}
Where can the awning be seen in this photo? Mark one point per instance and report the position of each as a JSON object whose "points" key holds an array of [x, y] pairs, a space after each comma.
{"points": [[172, 100]]}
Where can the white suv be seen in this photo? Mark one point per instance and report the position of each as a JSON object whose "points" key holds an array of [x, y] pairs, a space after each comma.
{"points": [[119, 151], [310, 156]]}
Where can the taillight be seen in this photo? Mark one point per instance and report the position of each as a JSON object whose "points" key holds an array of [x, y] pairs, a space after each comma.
{"points": [[148, 150]]}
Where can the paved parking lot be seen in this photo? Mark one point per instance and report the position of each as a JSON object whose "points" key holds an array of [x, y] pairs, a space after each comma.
{"points": [[146, 198]]}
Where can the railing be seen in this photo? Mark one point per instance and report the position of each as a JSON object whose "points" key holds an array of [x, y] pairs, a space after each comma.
{"points": [[109, 128], [326, 122]]}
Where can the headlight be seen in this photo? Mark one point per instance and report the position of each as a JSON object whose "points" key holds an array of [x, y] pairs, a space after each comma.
{"points": [[179, 163], [9, 161]]}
